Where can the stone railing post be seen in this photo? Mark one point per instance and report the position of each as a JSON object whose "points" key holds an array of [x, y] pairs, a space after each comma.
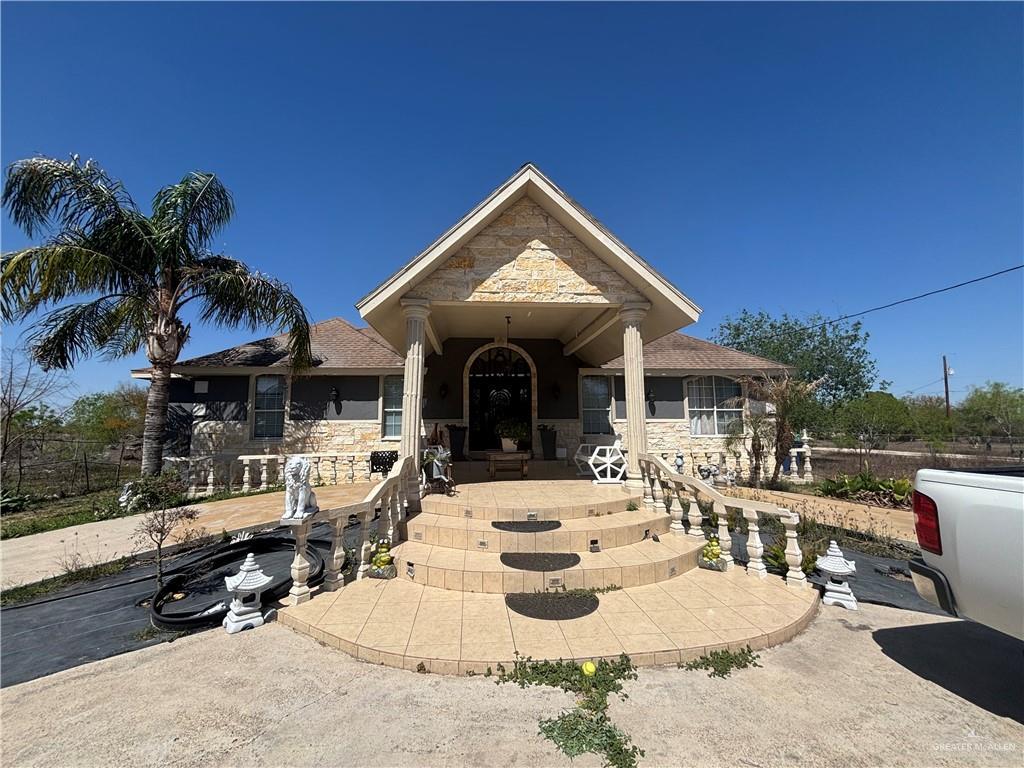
{"points": [[674, 511], [299, 593], [647, 475], [724, 539], [279, 479], [316, 471], [334, 470], [794, 464], [755, 548], [694, 517], [333, 577], [808, 474], [658, 489], [246, 487], [365, 548], [351, 469], [192, 471], [794, 557], [211, 471], [263, 475]]}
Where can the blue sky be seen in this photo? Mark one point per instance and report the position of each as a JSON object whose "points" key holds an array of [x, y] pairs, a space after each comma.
{"points": [[805, 157]]}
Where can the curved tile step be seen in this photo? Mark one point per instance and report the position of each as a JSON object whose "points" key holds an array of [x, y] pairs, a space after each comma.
{"points": [[524, 500], [646, 562], [573, 535], [405, 625]]}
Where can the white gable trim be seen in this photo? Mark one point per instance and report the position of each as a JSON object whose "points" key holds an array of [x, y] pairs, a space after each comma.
{"points": [[528, 179]]}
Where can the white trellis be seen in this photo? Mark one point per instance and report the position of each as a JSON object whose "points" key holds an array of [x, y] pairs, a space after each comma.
{"points": [[608, 464]]}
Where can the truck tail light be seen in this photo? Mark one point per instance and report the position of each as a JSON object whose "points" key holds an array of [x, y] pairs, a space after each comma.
{"points": [[926, 523]]}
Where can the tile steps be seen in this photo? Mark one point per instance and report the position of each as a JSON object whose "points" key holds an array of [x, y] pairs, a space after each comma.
{"points": [[526, 507], [646, 562], [404, 625], [575, 534]]}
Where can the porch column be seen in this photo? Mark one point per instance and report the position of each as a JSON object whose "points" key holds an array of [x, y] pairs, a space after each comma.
{"points": [[632, 316], [416, 312]]}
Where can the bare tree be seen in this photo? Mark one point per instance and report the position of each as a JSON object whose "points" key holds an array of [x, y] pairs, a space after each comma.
{"points": [[160, 527], [24, 386]]}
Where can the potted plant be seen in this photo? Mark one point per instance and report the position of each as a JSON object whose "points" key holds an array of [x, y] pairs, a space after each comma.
{"points": [[435, 462], [511, 432], [457, 441], [547, 441]]}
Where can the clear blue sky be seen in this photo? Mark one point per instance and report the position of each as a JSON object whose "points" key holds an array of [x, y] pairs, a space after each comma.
{"points": [[807, 157]]}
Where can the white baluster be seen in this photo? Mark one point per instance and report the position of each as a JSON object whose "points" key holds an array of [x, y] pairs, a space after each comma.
{"points": [[755, 548], [674, 492], [334, 470], [366, 547], [694, 517], [245, 476], [333, 578], [724, 539], [263, 475], [794, 557], [351, 469], [210, 477], [299, 593]]}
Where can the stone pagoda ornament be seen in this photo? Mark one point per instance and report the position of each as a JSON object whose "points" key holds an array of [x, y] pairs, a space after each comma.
{"points": [[248, 584], [837, 568]]}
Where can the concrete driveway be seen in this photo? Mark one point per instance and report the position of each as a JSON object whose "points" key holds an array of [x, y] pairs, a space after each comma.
{"points": [[880, 687]]}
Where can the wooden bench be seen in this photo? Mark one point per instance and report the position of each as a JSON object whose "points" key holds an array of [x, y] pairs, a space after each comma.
{"points": [[510, 461]]}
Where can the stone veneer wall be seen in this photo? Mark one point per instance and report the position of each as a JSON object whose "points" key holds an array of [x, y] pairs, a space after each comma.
{"points": [[665, 436], [525, 255]]}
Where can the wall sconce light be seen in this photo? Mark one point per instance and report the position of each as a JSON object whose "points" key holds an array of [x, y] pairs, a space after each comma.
{"points": [[556, 391], [334, 394], [443, 391], [651, 406]]}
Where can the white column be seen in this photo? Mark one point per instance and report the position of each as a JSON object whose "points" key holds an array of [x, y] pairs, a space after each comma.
{"points": [[416, 312], [632, 316]]}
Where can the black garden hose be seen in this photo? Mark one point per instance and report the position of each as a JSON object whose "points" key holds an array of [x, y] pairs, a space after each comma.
{"points": [[214, 613]]}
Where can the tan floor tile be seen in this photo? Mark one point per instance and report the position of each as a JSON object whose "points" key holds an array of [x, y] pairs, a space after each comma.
{"points": [[543, 648], [594, 646], [677, 620], [646, 643], [485, 631], [441, 632], [489, 651], [630, 623], [764, 617], [440, 596], [693, 598], [616, 602], [593, 624], [694, 639], [721, 618], [434, 651], [737, 638]]}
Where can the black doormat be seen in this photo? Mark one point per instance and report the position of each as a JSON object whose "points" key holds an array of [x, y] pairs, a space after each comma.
{"points": [[540, 561], [552, 606], [526, 526]]}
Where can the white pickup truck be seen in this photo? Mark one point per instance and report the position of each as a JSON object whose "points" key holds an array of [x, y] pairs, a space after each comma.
{"points": [[970, 526]]}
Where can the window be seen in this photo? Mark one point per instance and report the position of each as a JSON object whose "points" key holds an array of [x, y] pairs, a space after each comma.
{"points": [[393, 406], [714, 404], [597, 401], [268, 409]]}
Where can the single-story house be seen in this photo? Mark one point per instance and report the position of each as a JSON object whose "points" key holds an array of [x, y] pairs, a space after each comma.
{"points": [[526, 310]]}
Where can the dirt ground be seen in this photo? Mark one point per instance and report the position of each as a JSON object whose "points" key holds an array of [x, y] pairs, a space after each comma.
{"points": [[880, 687]]}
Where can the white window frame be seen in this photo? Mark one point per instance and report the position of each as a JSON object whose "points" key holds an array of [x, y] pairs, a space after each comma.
{"points": [[283, 410], [385, 410], [607, 409], [691, 411]]}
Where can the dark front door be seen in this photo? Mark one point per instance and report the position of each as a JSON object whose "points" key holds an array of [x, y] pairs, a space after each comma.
{"points": [[500, 389]]}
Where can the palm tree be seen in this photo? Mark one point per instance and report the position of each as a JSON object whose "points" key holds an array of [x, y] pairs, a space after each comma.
{"points": [[135, 272]]}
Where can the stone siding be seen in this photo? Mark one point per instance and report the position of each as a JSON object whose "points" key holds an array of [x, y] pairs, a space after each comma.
{"points": [[525, 255]]}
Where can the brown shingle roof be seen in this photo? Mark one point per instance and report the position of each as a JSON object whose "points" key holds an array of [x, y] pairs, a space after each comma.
{"points": [[679, 351], [335, 343]]}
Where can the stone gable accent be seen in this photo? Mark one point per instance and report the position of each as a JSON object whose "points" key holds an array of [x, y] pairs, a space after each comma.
{"points": [[525, 255]]}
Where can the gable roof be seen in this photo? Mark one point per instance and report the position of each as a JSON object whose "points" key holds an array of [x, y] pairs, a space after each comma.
{"points": [[336, 343], [669, 308], [677, 351]]}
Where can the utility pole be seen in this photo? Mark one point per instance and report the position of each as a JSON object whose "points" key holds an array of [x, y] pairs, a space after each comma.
{"points": [[945, 381]]}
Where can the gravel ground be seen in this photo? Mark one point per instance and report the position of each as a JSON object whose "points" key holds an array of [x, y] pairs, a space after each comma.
{"points": [[899, 689]]}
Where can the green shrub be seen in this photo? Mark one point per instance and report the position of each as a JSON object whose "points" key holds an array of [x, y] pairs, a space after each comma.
{"points": [[864, 487], [722, 663]]}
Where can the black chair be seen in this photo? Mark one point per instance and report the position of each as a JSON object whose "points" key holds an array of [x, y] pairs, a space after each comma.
{"points": [[382, 461]]}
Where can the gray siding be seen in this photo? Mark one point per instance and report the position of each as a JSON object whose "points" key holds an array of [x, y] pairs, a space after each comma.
{"points": [[667, 402], [356, 400], [226, 400]]}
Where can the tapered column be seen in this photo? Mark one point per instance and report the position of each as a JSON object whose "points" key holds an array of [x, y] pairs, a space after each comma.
{"points": [[632, 316], [416, 312]]}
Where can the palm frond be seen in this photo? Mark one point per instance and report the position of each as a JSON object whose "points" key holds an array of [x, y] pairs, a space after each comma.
{"points": [[231, 295], [41, 192], [190, 213], [70, 333]]}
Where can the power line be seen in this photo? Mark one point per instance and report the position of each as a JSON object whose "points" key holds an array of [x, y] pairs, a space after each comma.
{"points": [[893, 303]]}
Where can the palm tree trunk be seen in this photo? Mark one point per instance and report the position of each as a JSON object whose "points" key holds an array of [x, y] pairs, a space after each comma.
{"points": [[156, 420]]}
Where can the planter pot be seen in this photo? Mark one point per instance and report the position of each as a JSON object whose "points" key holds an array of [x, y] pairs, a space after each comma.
{"points": [[457, 435], [508, 446], [547, 443]]}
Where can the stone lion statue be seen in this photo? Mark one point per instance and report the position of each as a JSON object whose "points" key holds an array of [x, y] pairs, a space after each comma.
{"points": [[299, 499]]}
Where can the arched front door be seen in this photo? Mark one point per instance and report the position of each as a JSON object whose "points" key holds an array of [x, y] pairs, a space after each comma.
{"points": [[500, 388]]}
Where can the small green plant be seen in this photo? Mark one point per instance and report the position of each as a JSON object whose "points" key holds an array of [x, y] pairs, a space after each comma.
{"points": [[632, 506], [513, 429], [722, 663], [775, 556], [587, 728], [11, 502], [868, 489]]}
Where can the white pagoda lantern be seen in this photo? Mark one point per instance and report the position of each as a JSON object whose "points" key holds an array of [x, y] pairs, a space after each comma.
{"points": [[248, 584], [837, 568]]}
